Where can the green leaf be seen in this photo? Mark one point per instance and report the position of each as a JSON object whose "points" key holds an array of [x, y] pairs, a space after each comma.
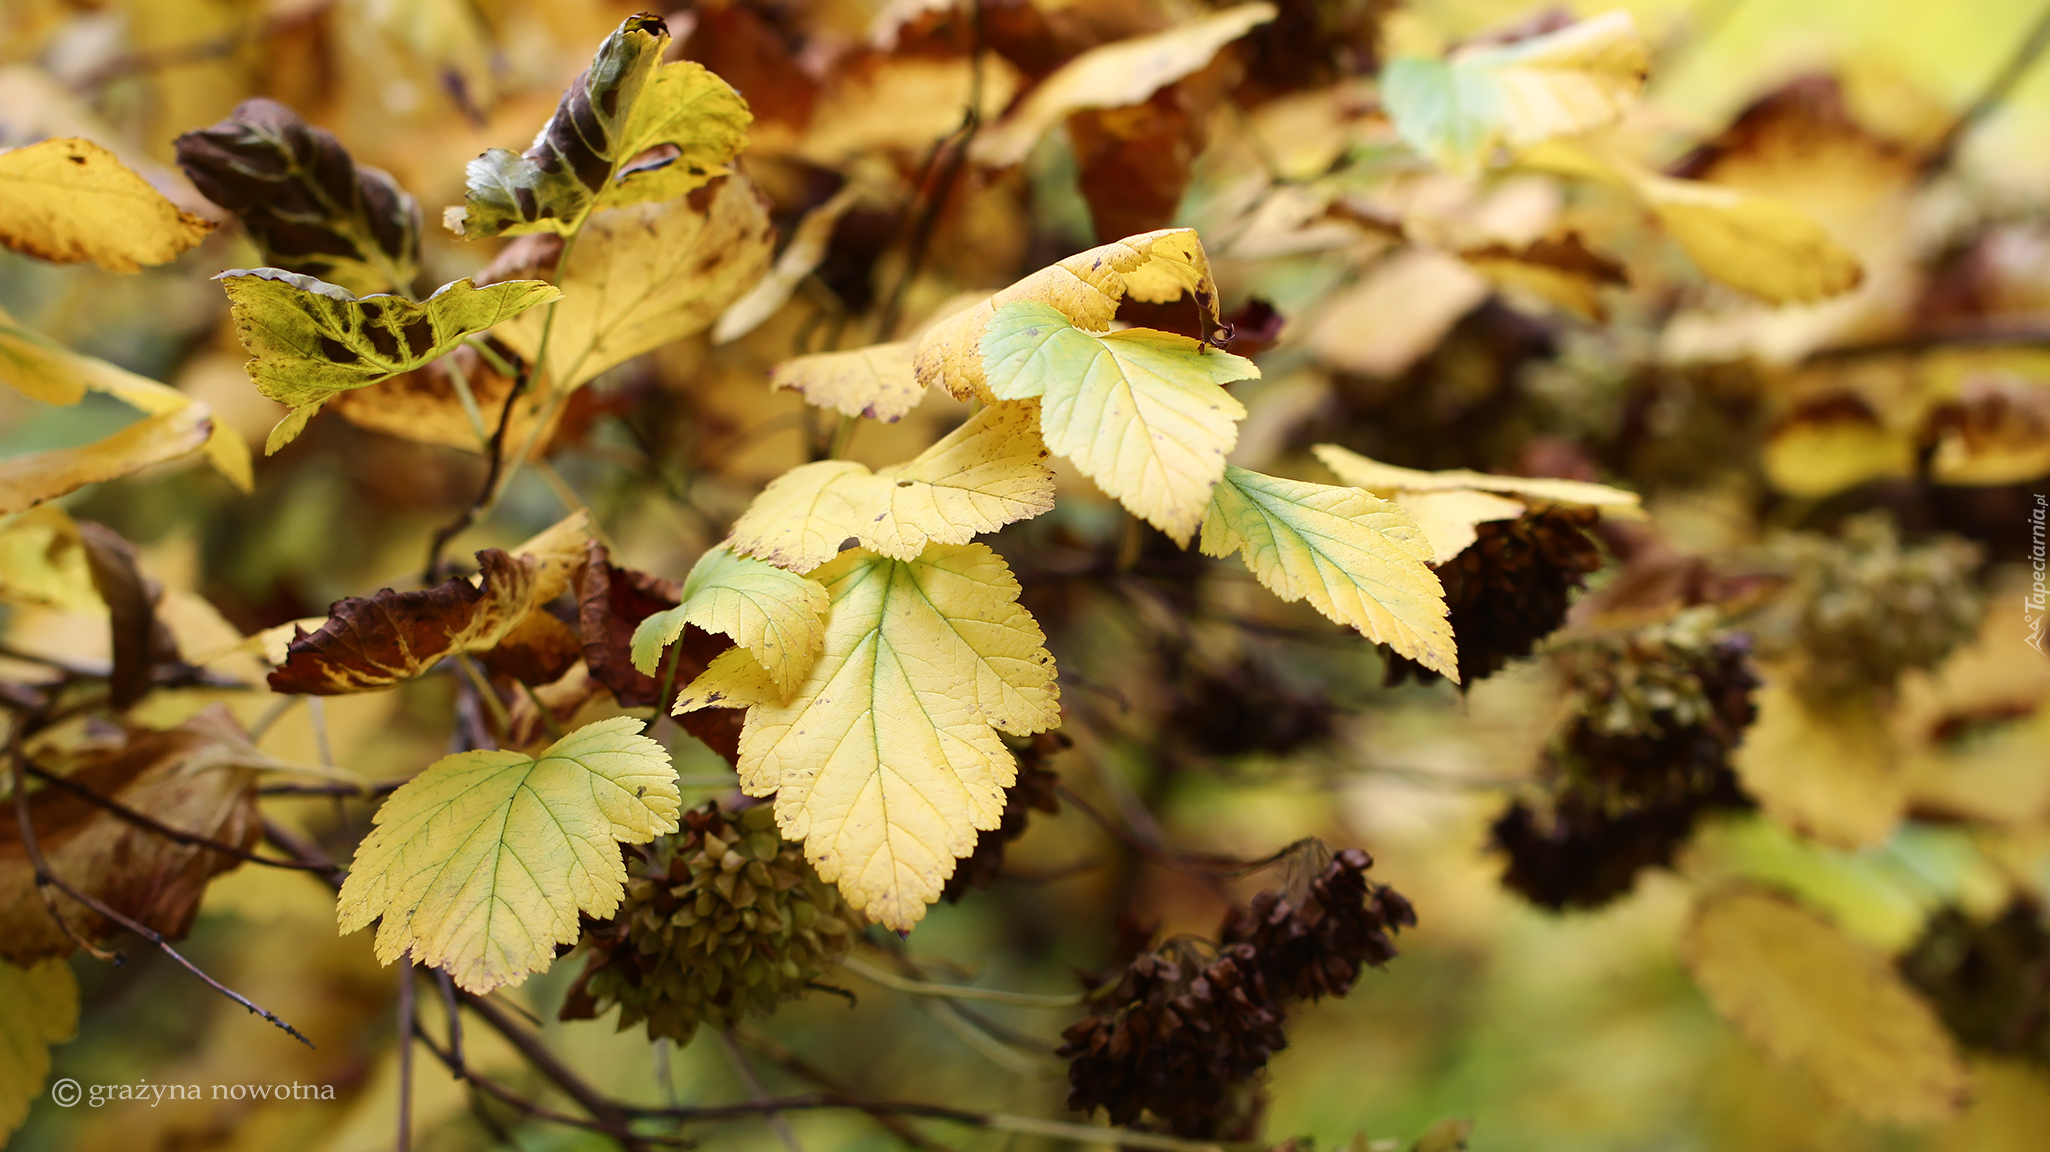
{"points": [[1140, 412], [778, 616], [587, 155], [1359, 559], [312, 340], [38, 1008], [481, 864]]}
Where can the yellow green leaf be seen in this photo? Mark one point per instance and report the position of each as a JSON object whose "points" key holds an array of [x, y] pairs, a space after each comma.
{"points": [[1116, 75], [43, 370], [876, 381], [982, 476], [1142, 413], [1389, 479], [311, 340], [1359, 559], [38, 1008], [592, 152], [1153, 267], [732, 680], [481, 864], [1814, 998], [643, 276], [777, 615], [886, 762], [33, 477], [1457, 110], [69, 200]]}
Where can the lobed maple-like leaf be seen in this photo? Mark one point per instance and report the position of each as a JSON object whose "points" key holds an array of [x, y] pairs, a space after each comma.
{"points": [[303, 199], [1360, 560], [1142, 413], [877, 382], [776, 615], [310, 340], [886, 761], [595, 151], [1457, 110], [38, 1008], [978, 478], [481, 864], [1835, 1008], [69, 200]]}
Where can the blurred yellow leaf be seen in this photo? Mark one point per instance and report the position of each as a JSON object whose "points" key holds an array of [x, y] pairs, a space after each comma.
{"points": [[70, 200], [1771, 250], [876, 381], [1116, 75], [1142, 413], [1812, 997], [481, 864], [1833, 443], [38, 1008], [1397, 311], [1359, 559], [886, 762], [1457, 110], [33, 477], [1390, 479], [980, 477], [42, 562], [1826, 768], [799, 257]]}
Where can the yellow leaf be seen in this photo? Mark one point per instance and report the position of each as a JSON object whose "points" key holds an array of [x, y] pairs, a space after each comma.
{"points": [[1832, 444], [481, 864], [42, 562], [732, 680], [1398, 311], [1772, 250], [70, 200], [886, 762], [33, 477], [310, 340], [588, 156], [1359, 559], [38, 1008], [982, 476], [1115, 75], [643, 276], [1812, 997], [778, 616], [1457, 110], [54, 374], [1142, 413], [1153, 267], [876, 381], [1448, 518], [1390, 479], [806, 248], [1826, 768]]}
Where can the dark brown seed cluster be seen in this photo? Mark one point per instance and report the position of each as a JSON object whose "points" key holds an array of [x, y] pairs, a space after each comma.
{"points": [[1032, 791], [1648, 755], [721, 919], [1248, 709], [1313, 937], [1510, 588], [1177, 1034], [1989, 980]]}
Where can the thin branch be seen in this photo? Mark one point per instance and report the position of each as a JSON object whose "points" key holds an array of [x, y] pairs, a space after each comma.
{"points": [[408, 1027], [151, 824], [887, 979], [626, 1136], [757, 1092], [46, 878], [605, 1111], [1057, 1129], [455, 1017], [781, 1055]]}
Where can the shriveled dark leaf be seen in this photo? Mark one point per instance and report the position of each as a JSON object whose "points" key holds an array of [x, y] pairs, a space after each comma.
{"points": [[191, 778], [305, 201], [537, 651], [612, 602], [376, 642], [139, 640]]}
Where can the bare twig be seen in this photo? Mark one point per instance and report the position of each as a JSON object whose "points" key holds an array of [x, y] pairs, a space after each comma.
{"points": [[757, 1092], [151, 824], [781, 1055]]}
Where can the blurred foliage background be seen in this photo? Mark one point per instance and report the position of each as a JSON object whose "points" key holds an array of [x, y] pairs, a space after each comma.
{"points": [[1202, 714]]}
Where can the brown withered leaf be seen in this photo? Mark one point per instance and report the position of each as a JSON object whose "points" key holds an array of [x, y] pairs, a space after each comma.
{"points": [[191, 778], [304, 201], [376, 642], [612, 602], [538, 650], [1134, 163], [1560, 269], [139, 640]]}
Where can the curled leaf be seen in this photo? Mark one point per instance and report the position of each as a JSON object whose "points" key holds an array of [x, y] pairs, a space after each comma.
{"points": [[69, 200]]}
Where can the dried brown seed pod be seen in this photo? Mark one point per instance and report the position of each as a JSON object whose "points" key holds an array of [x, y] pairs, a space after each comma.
{"points": [[1313, 936]]}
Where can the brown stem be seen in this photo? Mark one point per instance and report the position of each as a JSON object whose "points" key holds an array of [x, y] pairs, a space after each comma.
{"points": [[151, 824]]}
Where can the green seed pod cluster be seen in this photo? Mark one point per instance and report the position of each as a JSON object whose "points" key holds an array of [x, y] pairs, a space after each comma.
{"points": [[721, 920], [1864, 608], [1649, 681]]}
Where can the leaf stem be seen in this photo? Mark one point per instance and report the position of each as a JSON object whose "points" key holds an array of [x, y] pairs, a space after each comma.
{"points": [[489, 695]]}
